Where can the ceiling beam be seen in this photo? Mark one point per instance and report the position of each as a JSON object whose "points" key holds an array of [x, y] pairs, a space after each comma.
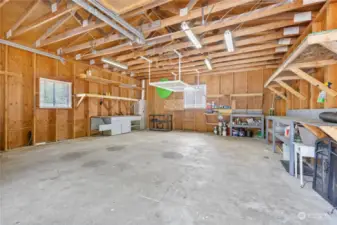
{"points": [[241, 68], [160, 24], [53, 29], [71, 33], [245, 17], [218, 65], [208, 40], [3, 3], [313, 81], [144, 8], [215, 60], [291, 90], [45, 19], [243, 42], [217, 7], [251, 56], [22, 19], [188, 7]]}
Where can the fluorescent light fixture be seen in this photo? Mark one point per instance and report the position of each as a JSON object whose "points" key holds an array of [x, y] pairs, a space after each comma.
{"points": [[229, 40], [191, 35], [208, 64], [115, 63]]}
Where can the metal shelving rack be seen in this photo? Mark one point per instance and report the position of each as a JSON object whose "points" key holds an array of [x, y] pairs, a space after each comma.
{"points": [[249, 115]]}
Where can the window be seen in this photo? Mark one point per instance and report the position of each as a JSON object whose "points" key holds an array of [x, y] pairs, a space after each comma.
{"points": [[195, 97], [55, 94]]}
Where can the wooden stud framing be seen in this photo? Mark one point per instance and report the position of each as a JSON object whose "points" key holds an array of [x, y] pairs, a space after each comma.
{"points": [[34, 97], [313, 81], [3, 3], [45, 19], [23, 18], [53, 29], [278, 93], [291, 90], [6, 100]]}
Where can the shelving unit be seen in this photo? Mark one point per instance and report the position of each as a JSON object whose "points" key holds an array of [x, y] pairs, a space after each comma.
{"points": [[84, 95], [252, 115], [291, 121]]}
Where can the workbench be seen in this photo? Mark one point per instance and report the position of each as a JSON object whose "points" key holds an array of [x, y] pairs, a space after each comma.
{"points": [[292, 121]]}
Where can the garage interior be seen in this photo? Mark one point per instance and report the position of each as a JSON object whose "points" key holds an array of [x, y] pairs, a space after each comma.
{"points": [[168, 112]]}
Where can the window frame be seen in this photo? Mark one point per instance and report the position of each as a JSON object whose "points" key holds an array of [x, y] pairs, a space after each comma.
{"points": [[54, 105], [192, 88]]}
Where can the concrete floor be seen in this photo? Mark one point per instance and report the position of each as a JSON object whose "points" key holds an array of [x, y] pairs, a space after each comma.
{"points": [[153, 178]]}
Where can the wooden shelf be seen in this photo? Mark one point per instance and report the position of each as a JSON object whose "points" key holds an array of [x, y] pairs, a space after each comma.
{"points": [[215, 96], [212, 124], [316, 50], [101, 80], [247, 95], [224, 111], [83, 95]]}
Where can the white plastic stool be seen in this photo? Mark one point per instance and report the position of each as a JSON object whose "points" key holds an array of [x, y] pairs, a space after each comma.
{"points": [[303, 151]]}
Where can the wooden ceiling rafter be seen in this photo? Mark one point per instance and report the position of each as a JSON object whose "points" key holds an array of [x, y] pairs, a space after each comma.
{"points": [[212, 39], [3, 2], [22, 19], [245, 17], [45, 19]]}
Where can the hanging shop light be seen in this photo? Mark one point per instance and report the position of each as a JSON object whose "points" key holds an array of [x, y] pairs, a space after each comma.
{"points": [[115, 63], [191, 35], [229, 41]]}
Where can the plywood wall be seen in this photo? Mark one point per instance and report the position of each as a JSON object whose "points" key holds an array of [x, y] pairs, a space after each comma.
{"points": [[231, 83], [51, 125]]}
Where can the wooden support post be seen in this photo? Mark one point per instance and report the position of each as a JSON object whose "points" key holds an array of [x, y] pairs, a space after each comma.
{"points": [[34, 98], [74, 100], [6, 100], [291, 90], [56, 110], [313, 81], [330, 71]]}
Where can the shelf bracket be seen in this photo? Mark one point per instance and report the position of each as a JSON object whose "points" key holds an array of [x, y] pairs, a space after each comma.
{"points": [[80, 101]]}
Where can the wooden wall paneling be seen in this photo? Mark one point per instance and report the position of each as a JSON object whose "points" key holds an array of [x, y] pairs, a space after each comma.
{"points": [[19, 98], [64, 116], [45, 125], [226, 88], [73, 129], [240, 87], [314, 91], [2, 82], [296, 102], [331, 71], [2, 97], [93, 103], [6, 101], [255, 85], [34, 97], [81, 112], [304, 88]]}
